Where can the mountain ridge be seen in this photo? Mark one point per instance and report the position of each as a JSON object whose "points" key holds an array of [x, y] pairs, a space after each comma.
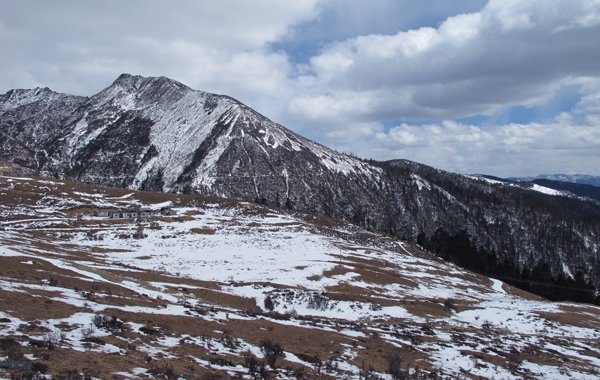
{"points": [[160, 135], [582, 179]]}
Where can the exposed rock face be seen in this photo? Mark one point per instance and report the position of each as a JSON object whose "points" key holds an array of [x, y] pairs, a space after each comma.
{"points": [[15, 157], [157, 134]]}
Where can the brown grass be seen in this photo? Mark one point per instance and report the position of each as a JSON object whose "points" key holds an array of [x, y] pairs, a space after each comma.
{"points": [[203, 231], [28, 307], [573, 318]]}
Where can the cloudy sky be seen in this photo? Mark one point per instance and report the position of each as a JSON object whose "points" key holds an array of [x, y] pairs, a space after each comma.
{"points": [[504, 87]]}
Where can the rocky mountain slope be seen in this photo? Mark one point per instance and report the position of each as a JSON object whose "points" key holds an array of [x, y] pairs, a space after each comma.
{"points": [[207, 288], [157, 134]]}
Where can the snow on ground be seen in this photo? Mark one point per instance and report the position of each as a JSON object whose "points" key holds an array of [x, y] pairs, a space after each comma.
{"points": [[234, 248], [225, 255], [259, 255], [546, 190]]}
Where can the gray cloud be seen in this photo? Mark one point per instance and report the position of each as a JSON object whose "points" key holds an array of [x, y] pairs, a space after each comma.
{"points": [[364, 63], [81, 46], [569, 144], [509, 53]]}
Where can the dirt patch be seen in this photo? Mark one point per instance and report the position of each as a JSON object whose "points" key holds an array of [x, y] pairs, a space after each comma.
{"points": [[573, 318], [146, 257], [521, 293], [28, 307], [377, 352], [298, 340], [337, 270], [203, 231], [371, 271], [223, 299]]}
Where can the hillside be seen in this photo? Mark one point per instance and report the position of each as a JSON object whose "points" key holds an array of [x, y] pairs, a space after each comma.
{"points": [[216, 288], [157, 134]]}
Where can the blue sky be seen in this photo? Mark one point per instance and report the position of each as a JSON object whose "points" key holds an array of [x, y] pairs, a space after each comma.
{"points": [[504, 87]]}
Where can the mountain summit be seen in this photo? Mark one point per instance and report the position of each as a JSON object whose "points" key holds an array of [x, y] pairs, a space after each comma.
{"points": [[158, 134]]}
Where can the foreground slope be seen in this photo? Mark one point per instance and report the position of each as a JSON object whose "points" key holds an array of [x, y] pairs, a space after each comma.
{"points": [[210, 287], [158, 134]]}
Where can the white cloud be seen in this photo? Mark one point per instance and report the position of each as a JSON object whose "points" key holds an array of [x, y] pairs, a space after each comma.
{"points": [[80, 47], [510, 53], [568, 144]]}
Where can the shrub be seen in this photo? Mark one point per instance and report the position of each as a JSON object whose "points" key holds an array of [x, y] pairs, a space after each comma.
{"points": [[11, 347], [318, 302], [427, 329], [88, 332], [53, 339], [255, 367], [281, 316], [39, 367], [149, 330], [449, 304], [297, 372], [514, 361], [269, 303], [109, 323], [394, 362], [367, 373], [272, 351], [165, 371]]}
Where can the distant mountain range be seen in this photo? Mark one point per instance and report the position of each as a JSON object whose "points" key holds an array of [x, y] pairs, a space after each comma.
{"points": [[552, 186], [572, 178], [158, 134]]}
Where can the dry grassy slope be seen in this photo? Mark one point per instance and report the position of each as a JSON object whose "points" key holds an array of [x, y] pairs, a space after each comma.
{"points": [[219, 289]]}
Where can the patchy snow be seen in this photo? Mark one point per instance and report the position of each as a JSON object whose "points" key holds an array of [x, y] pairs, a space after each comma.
{"points": [[546, 190], [126, 196], [244, 251], [567, 271], [498, 285], [5, 251], [421, 183], [158, 206], [485, 179], [558, 373], [226, 255], [176, 146]]}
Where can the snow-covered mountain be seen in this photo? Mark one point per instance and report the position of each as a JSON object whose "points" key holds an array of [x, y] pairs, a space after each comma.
{"points": [[549, 186], [157, 134], [582, 179]]}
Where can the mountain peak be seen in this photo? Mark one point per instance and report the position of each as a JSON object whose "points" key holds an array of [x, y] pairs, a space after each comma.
{"points": [[136, 82], [19, 97], [29, 92]]}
